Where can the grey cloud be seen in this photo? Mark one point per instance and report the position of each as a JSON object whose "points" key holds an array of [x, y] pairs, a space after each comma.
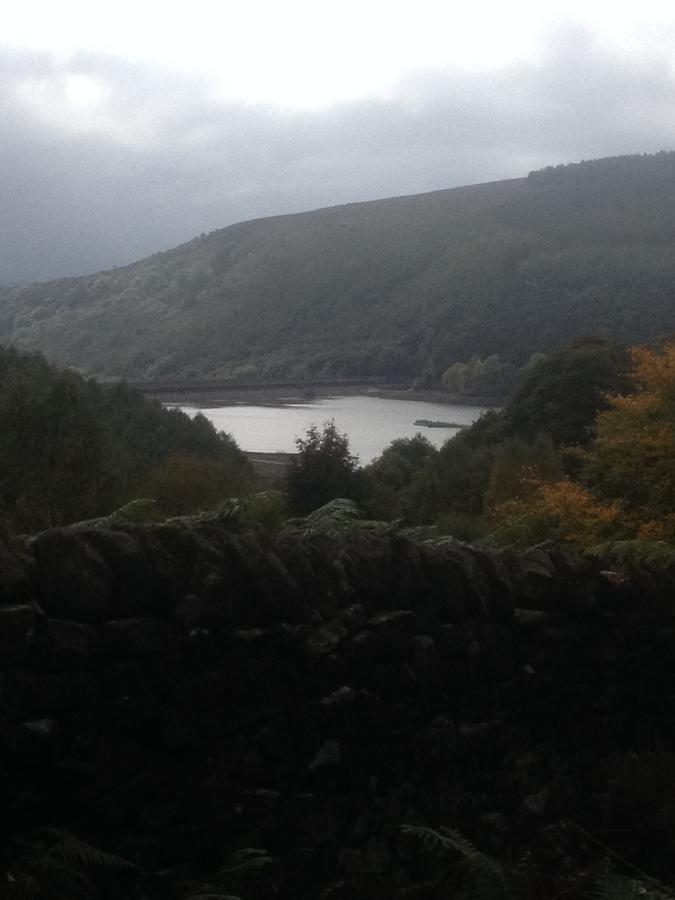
{"points": [[174, 161]]}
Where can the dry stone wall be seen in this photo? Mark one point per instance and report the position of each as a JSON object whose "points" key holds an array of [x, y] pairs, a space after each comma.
{"points": [[173, 691]]}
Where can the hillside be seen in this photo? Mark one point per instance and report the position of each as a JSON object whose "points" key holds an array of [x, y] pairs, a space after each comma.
{"points": [[397, 287]]}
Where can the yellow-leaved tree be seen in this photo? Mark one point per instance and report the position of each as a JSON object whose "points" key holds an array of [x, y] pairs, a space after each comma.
{"points": [[625, 485], [562, 511]]}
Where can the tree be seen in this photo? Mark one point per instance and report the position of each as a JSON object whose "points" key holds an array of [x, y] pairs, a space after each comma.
{"points": [[564, 392], [52, 446], [72, 449], [392, 483], [633, 455], [516, 465], [626, 477], [481, 377], [560, 511], [322, 470]]}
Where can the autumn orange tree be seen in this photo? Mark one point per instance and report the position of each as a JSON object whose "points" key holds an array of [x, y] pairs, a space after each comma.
{"points": [[626, 481], [557, 510]]}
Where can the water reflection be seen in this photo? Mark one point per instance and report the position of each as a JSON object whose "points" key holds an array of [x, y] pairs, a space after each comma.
{"points": [[371, 423]]}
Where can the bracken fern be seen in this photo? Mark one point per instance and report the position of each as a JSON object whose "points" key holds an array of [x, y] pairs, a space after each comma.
{"points": [[241, 868], [485, 878]]}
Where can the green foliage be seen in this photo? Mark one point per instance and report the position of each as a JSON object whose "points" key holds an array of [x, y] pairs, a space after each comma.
{"points": [[488, 430], [657, 556], [337, 518], [51, 442], [241, 870], [460, 525], [489, 377], [624, 484], [397, 288], [606, 884], [138, 511], [72, 449], [515, 463], [185, 484], [461, 476], [500, 461], [484, 878], [323, 469], [418, 485], [58, 864], [421, 486], [565, 391], [265, 512], [393, 486]]}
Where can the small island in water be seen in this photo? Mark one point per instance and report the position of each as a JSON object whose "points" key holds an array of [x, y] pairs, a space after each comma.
{"points": [[431, 423]]}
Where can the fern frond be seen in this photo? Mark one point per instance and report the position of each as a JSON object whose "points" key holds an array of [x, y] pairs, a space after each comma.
{"points": [[486, 878], [247, 853], [210, 896], [59, 873], [658, 556], [242, 867], [207, 890], [239, 868], [71, 849], [609, 885]]}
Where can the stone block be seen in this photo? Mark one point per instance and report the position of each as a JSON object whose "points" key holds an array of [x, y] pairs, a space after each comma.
{"points": [[360, 652], [354, 617], [326, 638], [65, 645], [426, 661], [452, 643], [25, 693], [133, 585], [394, 679], [394, 632], [496, 644], [73, 581], [17, 627], [329, 755], [123, 638], [191, 611]]}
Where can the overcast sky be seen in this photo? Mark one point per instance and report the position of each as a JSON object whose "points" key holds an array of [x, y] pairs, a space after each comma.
{"points": [[129, 131]]}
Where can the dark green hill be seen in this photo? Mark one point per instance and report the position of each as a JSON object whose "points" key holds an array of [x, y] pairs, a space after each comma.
{"points": [[393, 287]]}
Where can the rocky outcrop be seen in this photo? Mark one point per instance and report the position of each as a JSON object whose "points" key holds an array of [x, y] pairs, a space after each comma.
{"points": [[173, 691]]}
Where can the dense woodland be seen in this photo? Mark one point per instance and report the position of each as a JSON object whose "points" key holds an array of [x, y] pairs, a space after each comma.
{"points": [[472, 487], [584, 453], [402, 288], [71, 449]]}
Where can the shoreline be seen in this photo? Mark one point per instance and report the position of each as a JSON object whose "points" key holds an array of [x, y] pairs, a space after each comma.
{"points": [[270, 467], [276, 396]]}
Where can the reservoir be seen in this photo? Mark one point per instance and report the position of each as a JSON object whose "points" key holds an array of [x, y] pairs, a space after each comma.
{"points": [[370, 423]]}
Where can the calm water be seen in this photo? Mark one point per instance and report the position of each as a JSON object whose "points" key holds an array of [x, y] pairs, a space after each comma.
{"points": [[370, 423]]}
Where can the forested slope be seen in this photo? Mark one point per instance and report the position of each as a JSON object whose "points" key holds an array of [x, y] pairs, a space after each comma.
{"points": [[395, 287], [72, 449]]}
